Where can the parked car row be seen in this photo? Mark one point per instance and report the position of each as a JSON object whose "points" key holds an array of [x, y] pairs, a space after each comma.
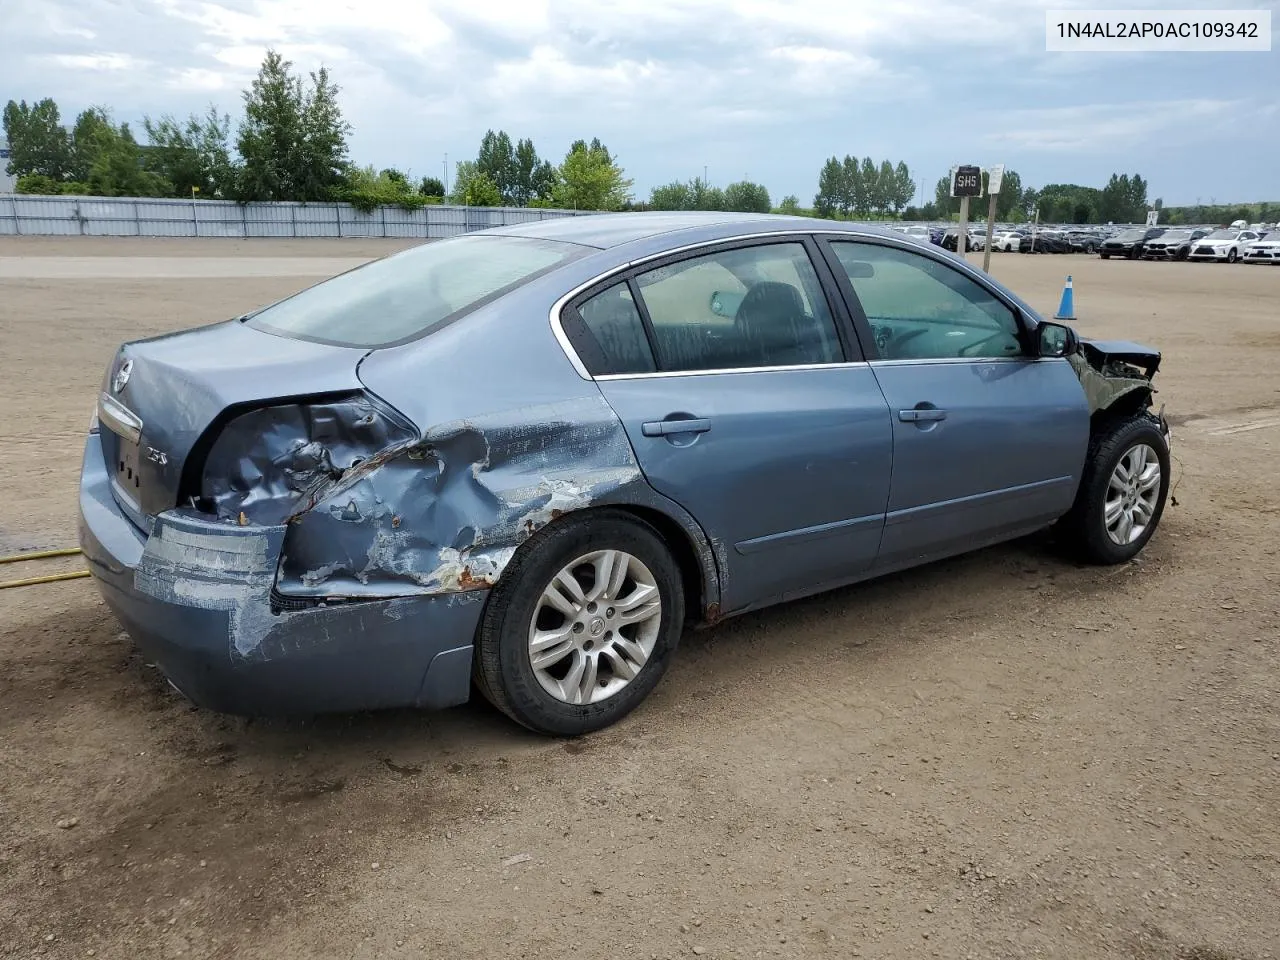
{"points": [[1259, 243], [1226, 245]]}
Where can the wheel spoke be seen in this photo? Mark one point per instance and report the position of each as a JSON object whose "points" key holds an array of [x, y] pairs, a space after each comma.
{"points": [[1121, 472], [549, 647], [634, 652], [1143, 512], [1125, 530], [564, 593], [618, 577], [1149, 479], [571, 685], [603, 563], [623, 668], [1115, 508]]}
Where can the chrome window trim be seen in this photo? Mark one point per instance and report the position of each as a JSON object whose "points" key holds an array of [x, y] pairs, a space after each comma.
{"points": [[918, 361], [785, 368], [557, 329]]}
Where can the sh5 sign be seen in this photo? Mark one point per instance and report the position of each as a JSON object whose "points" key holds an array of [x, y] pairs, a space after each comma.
{"points": [[966, 181]]}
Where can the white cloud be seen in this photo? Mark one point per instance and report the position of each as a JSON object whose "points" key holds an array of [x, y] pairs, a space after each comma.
{"points": [[771, 86], [1085, 128]]}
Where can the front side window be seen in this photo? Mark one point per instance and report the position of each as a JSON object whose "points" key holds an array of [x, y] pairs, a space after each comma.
{"points": [[411, 293], [920, 309], [756, 306]]}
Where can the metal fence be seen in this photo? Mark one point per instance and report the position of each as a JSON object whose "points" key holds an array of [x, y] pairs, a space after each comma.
{"points": [[24, 215]]}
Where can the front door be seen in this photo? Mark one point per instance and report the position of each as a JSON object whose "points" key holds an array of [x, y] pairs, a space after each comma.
{"points": [[989, 441], [743, 405]]}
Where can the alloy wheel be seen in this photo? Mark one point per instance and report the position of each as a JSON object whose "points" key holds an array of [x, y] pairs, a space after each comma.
{"points": [[1132, 494], [595, 627]]}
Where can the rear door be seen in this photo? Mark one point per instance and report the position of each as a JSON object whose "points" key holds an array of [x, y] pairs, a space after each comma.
{"points": [[989, 441], [746, 405]]}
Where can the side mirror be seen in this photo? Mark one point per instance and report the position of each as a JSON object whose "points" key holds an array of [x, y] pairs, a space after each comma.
{"points": [[1056, 340]]}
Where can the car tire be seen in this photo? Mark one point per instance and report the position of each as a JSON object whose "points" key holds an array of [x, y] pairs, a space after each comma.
{"points": [[1085, 529], [518, 608], [1232, 256], [1106, 256]]}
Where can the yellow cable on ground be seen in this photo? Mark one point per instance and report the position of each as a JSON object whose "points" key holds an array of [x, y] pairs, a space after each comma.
{"points": [[40, 555], [52, 578]]}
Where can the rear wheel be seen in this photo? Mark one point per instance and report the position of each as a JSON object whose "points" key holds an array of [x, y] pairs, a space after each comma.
{"points": [[581, 626], [1122, 492]]}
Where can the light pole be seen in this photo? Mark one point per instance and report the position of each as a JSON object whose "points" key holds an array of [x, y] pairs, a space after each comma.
{"points": [[446, 176]]}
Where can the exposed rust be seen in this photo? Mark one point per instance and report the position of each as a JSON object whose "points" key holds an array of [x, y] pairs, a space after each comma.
{"points": [[469, 581], [712, 613], [395, 521]]}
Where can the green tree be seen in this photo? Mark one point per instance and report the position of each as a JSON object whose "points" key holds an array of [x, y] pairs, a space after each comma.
{"points": [[671, 196], [293, 139], [590, 179], [946, 205], [117, 169], [830, 198], [703, 196], [192, 154], [1009, 199], [38, 143], [904, 186], [93, 128], [497, 161], [790, 206], [854, 194], [535, 178], [747, 197], [872, 198], [431, 187]]}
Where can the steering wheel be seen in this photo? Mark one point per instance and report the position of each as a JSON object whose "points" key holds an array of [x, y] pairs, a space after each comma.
{"points": [[969, 349]]}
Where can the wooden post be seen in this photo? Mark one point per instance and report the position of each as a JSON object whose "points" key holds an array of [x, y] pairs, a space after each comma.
{"points": [[991, 224]]}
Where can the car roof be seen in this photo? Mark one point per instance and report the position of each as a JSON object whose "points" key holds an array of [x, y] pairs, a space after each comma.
{"points": [[616, 229]]}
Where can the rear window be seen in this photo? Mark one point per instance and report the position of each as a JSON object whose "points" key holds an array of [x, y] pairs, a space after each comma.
{"points": [[411, 293]]}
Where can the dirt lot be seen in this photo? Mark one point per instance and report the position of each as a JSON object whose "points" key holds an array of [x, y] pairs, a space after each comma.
{"points": [[999, 756]]}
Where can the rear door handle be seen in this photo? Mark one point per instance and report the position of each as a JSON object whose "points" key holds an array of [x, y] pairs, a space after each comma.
{"points": [[667, 428], [916, 416]]}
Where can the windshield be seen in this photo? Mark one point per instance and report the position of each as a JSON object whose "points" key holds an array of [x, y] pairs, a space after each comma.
{"points": [[1222, 235], [406, 295], [1128, 235], [1177, 235]]}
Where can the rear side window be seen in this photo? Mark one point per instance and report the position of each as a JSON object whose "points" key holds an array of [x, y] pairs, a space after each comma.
{"points": [[407, 295], [609, 334], [756, 306]]}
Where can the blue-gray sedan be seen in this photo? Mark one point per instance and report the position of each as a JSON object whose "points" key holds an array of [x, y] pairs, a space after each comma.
{"points": [[530, 458]]}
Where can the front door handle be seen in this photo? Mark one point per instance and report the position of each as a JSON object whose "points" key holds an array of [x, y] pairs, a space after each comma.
{"points": [[667, 428], [917, 415]]}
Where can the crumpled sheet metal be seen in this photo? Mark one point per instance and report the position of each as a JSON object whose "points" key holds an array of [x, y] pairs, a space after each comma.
{"points": [[270, 462], [1102, 388], [446, 513], [203, 565]]}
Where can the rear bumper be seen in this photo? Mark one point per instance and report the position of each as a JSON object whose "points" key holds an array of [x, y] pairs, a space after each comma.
{"points": [[196, 598]]}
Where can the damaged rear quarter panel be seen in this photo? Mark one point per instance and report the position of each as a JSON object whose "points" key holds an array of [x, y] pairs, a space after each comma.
{"points": [[499, 458]]}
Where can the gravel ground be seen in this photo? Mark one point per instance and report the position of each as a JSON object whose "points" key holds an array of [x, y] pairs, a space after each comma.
{"points": [[999, 756]]}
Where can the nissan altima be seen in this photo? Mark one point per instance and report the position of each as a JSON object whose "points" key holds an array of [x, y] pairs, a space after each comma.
{"points": [[526, 460]]}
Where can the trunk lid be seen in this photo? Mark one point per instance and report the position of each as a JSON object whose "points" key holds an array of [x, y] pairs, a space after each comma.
{"points": [[160, 396]]}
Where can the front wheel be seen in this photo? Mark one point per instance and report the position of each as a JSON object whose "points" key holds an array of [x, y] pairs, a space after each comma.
{"points": [[1231, 256], [1106, 256], [1122, 491], [581, 626]]}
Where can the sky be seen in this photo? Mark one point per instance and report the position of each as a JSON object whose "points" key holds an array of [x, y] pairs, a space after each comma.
{"points": [[757, 89]]}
